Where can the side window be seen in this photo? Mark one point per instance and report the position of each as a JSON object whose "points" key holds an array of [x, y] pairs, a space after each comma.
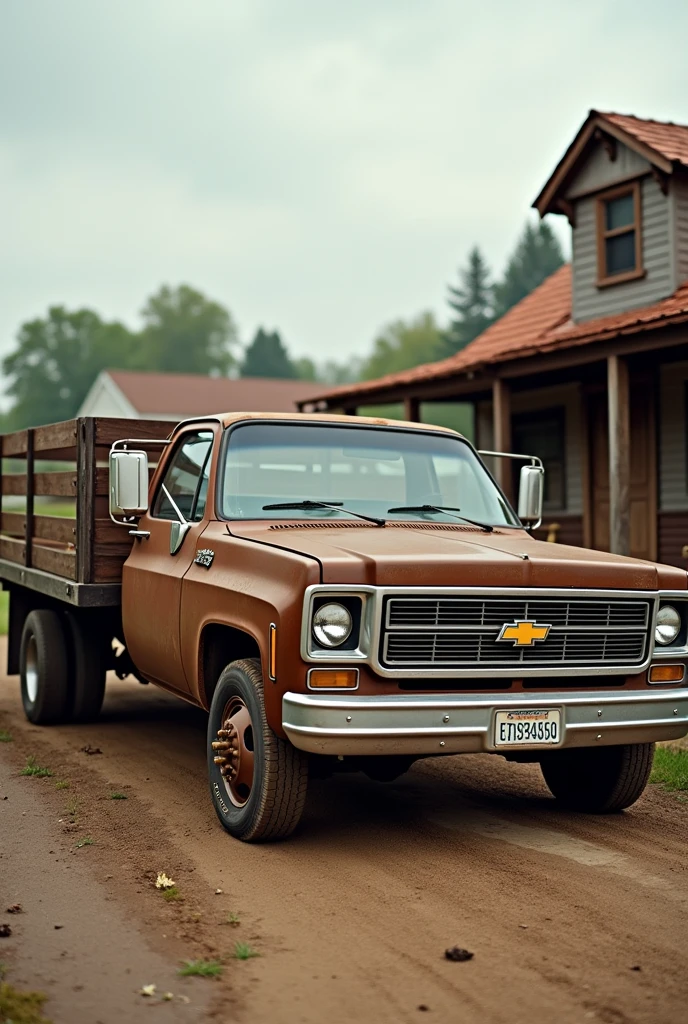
{"points": [[186, 479]]}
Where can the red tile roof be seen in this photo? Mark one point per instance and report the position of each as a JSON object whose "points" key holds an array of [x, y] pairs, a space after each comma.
{"points": [[666, 138], [191, 394], [540, 323]]}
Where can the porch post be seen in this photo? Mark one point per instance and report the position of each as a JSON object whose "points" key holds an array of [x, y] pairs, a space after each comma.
{"points": [[618, 407], [411, 409], [501, 421]]}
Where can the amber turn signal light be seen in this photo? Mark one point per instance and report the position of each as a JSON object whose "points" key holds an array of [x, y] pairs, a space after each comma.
{"points": [[333, 678], [666, 674]]}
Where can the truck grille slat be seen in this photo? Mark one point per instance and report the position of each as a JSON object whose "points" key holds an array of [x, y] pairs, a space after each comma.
{"points": [[463, 632]]}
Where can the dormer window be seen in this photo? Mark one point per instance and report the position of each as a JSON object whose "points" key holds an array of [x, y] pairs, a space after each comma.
{"points": [[619, 243]]}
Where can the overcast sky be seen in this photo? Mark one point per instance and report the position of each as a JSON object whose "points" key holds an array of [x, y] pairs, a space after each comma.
{"points": [[319, 166]]}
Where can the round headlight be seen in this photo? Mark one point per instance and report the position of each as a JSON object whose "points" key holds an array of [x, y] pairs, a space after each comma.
{"points": [[668, 625], [332, 625]]}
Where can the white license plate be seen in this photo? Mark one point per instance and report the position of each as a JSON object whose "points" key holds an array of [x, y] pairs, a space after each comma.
{"points": [[539, 727]]}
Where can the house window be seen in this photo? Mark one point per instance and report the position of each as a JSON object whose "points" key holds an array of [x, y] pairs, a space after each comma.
{"points": [[619, 242], [543, 433]]}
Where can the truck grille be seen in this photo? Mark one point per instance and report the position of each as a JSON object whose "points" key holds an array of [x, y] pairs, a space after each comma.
{"points": [[462, 632]]}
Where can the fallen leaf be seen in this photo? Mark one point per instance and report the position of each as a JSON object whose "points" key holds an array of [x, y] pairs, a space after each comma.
{"points": [[5, 931], [184, 999], [636, 968], [148, 990], [16, 908], [167, 996], [218, 892], [88, 749], [57, 927], [457, 954], [163, 882]]}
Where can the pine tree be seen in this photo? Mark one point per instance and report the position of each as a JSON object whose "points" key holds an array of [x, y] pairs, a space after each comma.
{"points": [[267, 356], [536, 256], [471, 303]]}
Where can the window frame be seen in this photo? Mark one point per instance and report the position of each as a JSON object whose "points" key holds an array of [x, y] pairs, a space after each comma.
{"points": [[604, 279], [181, 441]]}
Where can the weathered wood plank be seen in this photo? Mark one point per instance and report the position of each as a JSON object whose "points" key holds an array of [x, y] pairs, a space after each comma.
{"points": [[55, 438], [619, 412], [13, 523], [111, 429], [56, 485], [14, 444], [56, 528], [501, 415], [62, 563], [30, 441], [12, 550], [108, 568], [85, 498]]}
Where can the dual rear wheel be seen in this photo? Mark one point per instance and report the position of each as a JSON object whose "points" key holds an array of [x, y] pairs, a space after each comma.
{"points": [[62, 667]]}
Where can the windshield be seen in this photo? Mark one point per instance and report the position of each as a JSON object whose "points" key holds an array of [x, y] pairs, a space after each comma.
{"points": [[369, 470]]}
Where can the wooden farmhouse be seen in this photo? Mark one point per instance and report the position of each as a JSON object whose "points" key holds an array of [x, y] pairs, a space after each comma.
{"points": [[590, 371]]}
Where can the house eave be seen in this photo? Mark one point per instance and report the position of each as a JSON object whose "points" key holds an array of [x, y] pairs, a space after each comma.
{"points": [[549, 199]]}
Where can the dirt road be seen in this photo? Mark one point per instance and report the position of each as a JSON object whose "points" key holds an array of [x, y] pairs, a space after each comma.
{"points": [[570, 918]]}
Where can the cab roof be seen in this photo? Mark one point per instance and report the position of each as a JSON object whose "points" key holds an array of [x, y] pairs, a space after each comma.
{"points": [[228, 418]]}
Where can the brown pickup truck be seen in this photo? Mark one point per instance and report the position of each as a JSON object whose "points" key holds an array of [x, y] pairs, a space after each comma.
{"points": [[340, 594]]}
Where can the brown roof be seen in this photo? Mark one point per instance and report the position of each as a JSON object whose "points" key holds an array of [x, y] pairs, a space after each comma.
{"points": [[540, 323], [666, 138], [662, 143], [191, 394]]}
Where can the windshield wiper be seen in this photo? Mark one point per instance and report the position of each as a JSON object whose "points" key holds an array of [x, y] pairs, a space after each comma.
{"points": [[335, 505], [449, 509]]}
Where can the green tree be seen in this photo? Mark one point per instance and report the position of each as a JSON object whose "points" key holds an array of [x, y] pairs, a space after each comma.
{"points": [[267, 356], [471, 303], [56, 360], [537, 255], [185, 332], [305, 368], [402, 345]]}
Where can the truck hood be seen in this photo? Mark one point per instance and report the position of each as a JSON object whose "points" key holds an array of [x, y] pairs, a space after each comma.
{"points": [[420, 554]]}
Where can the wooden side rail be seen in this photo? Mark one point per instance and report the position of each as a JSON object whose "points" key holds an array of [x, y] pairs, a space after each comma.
{"points": [[87, 547]]}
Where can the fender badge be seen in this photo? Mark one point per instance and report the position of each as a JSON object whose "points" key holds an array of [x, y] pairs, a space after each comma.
{"points": [[204, 556]]}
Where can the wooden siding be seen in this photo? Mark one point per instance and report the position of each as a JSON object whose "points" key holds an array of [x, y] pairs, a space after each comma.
{"points": [[589, 301], [673, 446], [673, 537], [679, 194], [598, 171]]}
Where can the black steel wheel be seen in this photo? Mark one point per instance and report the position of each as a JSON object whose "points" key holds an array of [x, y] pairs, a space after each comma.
{"points": [[43, 668], [258, 781]]}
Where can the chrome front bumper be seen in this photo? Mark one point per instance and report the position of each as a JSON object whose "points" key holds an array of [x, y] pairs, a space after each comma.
{"points": [[457, 724]]}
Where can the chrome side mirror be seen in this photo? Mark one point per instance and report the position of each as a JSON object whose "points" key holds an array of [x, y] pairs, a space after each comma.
{"points": [[530, 496], [178, 532], [128, 483]]}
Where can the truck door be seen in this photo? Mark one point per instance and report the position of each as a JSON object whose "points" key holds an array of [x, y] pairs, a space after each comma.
{"points": [[152, 575]]}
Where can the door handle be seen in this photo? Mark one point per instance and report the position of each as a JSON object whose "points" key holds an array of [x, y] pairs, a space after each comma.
{"points": [[140, 534]]}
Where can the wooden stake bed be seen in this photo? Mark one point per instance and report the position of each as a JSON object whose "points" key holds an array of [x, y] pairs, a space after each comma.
{"points": [[79, 559]]}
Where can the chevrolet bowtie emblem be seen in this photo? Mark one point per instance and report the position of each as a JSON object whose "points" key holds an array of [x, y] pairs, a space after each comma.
{"points": [[523, 634]]}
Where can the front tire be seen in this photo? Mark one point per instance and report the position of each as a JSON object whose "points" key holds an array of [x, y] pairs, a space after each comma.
{"points": [[43, 668], [258, 781], [599, 781]]}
